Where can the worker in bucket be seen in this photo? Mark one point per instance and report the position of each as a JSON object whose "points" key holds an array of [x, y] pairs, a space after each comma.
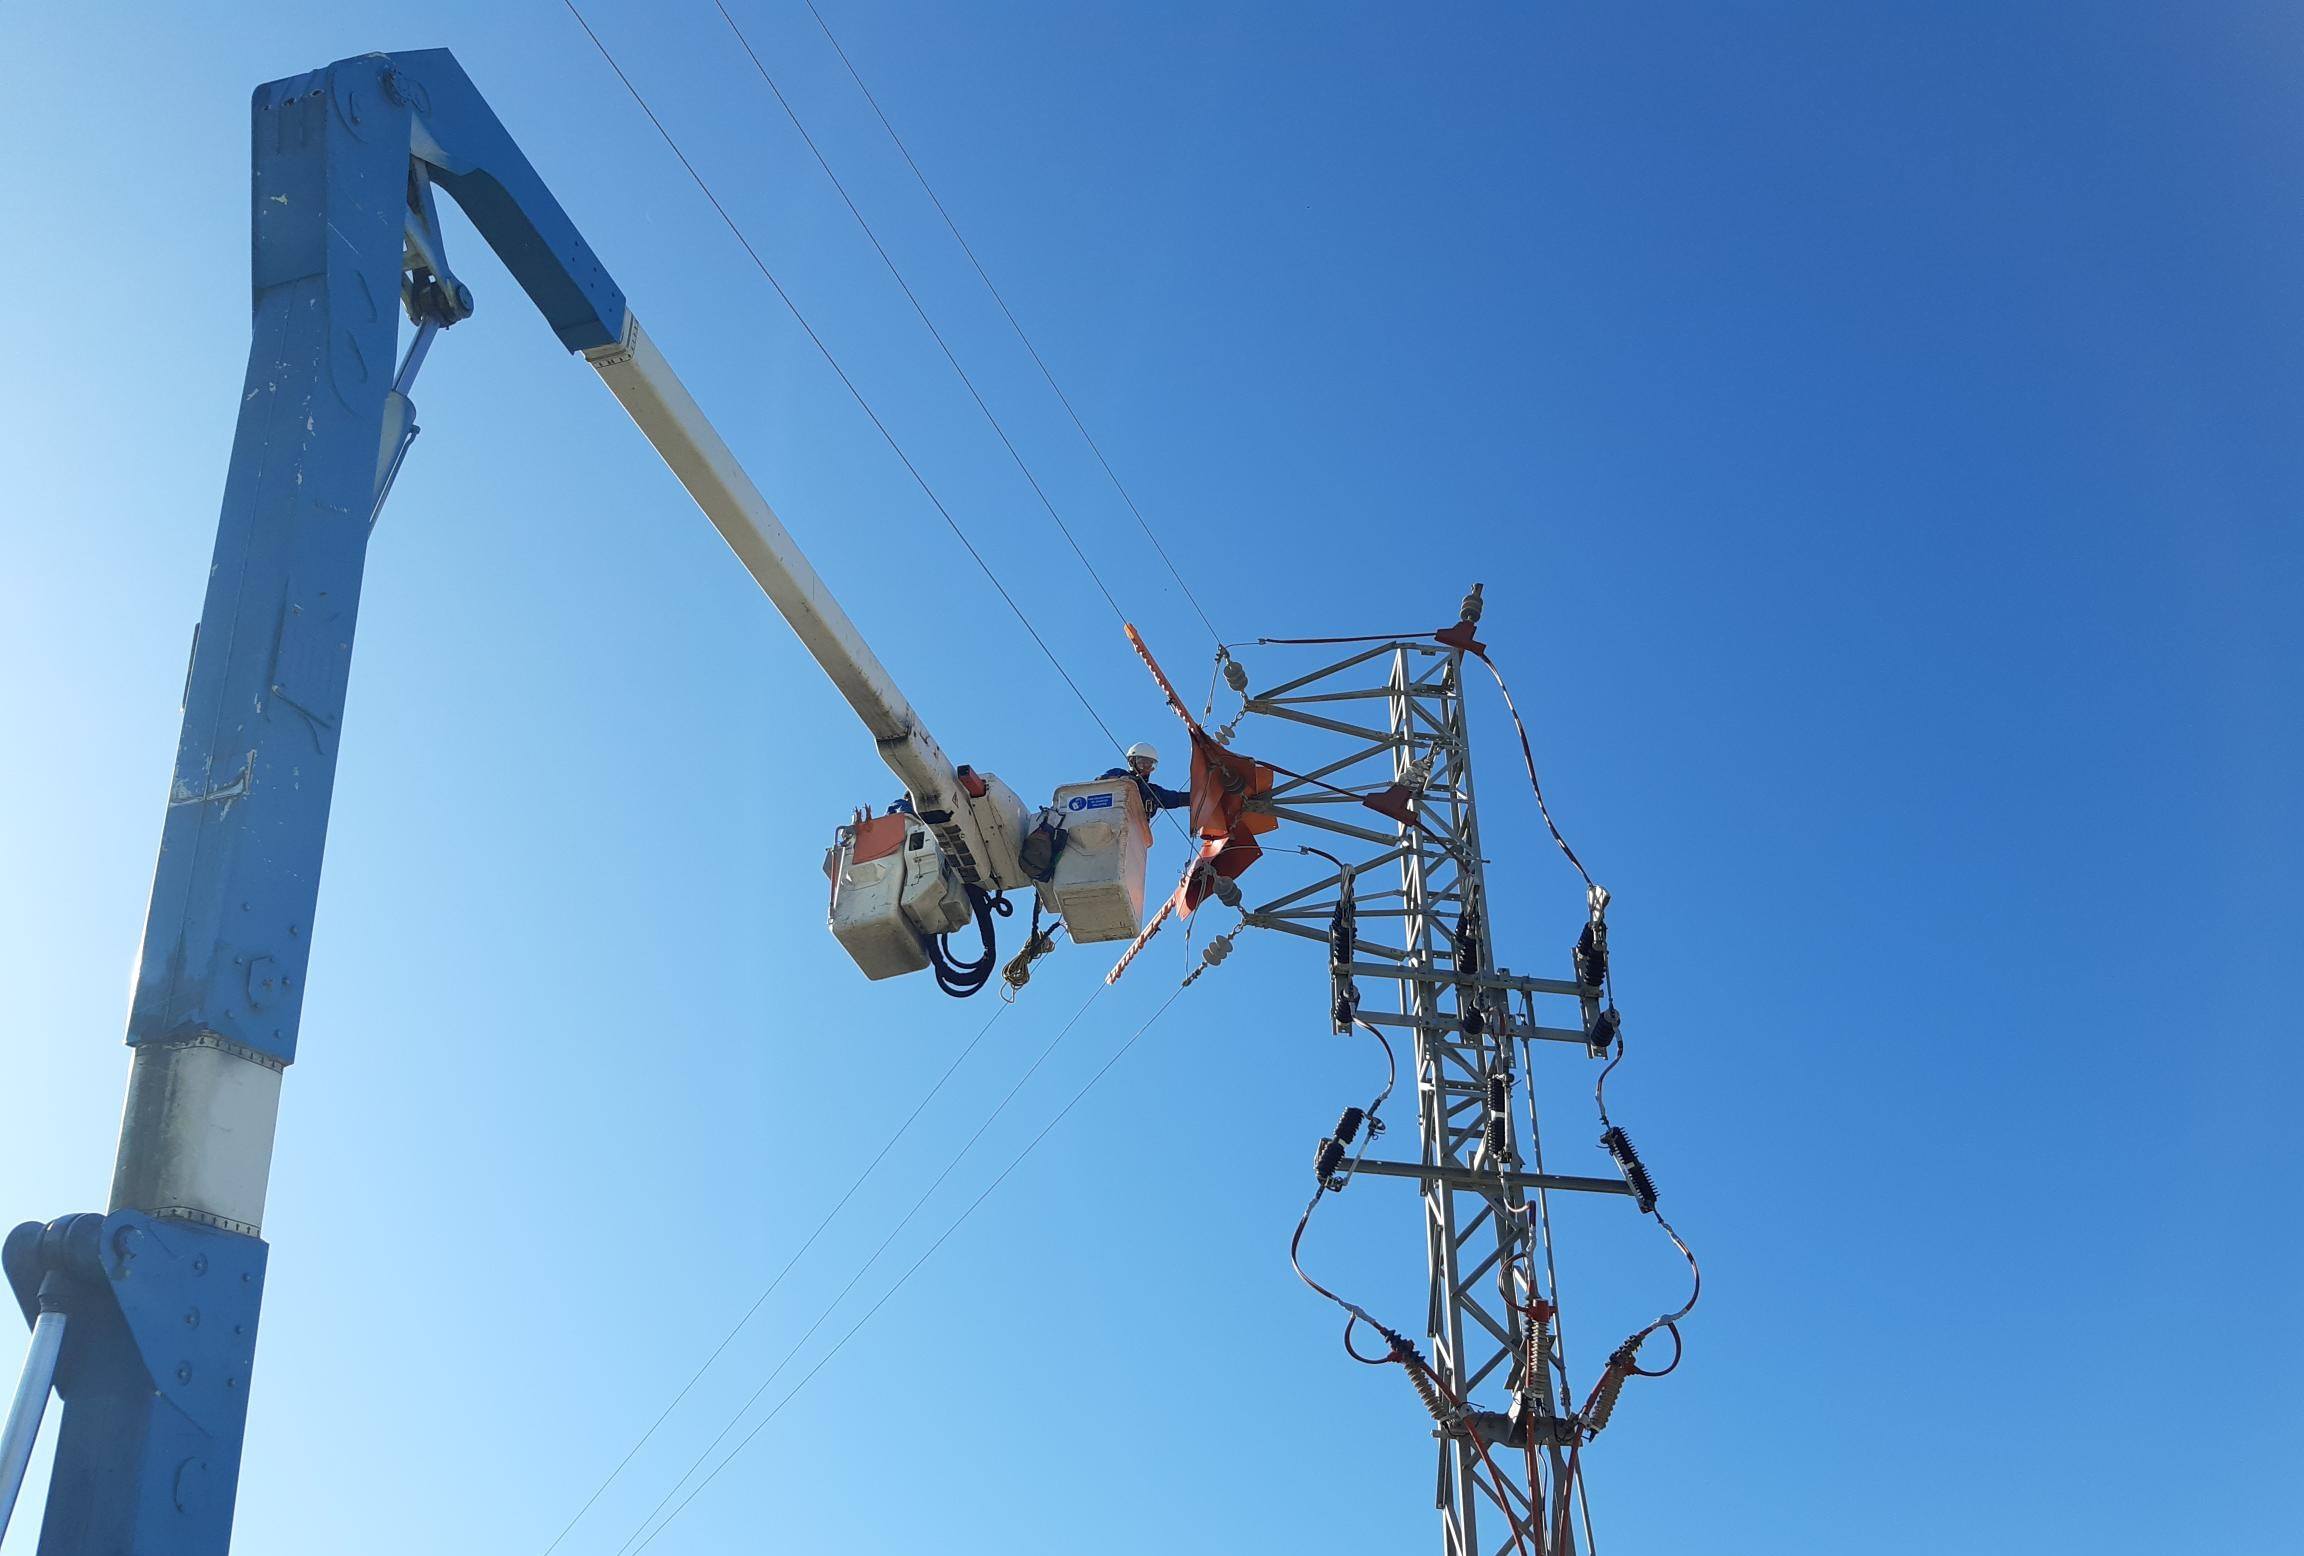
{"points": [[1142, 758]]}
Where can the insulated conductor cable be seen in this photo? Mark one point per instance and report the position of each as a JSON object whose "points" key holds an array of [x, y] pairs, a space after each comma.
{"points": [[1018, 1160], [1528, 756], [1013, 323], [842, 374], [1636, 1177]]}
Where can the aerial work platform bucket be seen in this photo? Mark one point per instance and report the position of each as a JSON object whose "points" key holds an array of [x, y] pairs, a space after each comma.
{"points": [[1098, 885]]}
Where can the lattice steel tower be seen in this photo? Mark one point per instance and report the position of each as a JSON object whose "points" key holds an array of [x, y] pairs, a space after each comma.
{"points": [[1426, 942]]}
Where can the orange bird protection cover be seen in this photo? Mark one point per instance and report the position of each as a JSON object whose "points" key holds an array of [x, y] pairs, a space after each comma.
{"points": [[1223, 785]]}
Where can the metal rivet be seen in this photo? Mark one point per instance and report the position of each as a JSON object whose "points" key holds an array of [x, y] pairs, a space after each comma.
{"points": [[184, 1373]]}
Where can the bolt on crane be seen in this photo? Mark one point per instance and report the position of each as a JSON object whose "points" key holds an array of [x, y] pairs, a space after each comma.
{"points": [[145, 1316]]}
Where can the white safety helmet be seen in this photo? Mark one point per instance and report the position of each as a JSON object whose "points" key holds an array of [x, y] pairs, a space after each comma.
{"points": [[1142, 751]]}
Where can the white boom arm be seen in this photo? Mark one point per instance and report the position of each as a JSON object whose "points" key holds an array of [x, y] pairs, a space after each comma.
{"points": [[637, 374]]}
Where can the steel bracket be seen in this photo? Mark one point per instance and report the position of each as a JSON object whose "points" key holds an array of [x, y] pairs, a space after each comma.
{"points": [[157, 1355]]}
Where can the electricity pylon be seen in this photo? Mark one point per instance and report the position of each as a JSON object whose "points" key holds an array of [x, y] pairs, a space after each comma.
{"points": [[1426, 943]]}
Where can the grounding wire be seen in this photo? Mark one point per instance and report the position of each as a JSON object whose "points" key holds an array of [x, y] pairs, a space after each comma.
{"points": [[1552, 1280], [770, 1290], [854, 1280], [841, 373], [1013, 323], [1018, 1160], [919, 308], [1518, 1242]]}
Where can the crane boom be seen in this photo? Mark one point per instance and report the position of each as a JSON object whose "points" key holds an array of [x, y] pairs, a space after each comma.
{"points": [[637, 373]]}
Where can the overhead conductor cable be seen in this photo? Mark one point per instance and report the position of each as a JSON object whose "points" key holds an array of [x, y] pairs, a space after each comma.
{"points": [[919, 308], [1015, 324]]}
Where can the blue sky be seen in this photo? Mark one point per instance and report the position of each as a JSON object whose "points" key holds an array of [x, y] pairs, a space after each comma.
{"points": [[1875, 428]]}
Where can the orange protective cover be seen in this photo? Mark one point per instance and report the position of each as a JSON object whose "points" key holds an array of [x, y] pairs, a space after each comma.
{"points": [[878, 838]]}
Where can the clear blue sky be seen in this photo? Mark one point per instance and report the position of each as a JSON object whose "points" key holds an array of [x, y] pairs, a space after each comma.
{"points": [[1876, 427]]}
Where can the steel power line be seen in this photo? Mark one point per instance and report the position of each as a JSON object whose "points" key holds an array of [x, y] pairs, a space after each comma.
{"points": [[926, 1254], [920, 308], [1014, 323], [771, 1288], [919, 1203]]}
